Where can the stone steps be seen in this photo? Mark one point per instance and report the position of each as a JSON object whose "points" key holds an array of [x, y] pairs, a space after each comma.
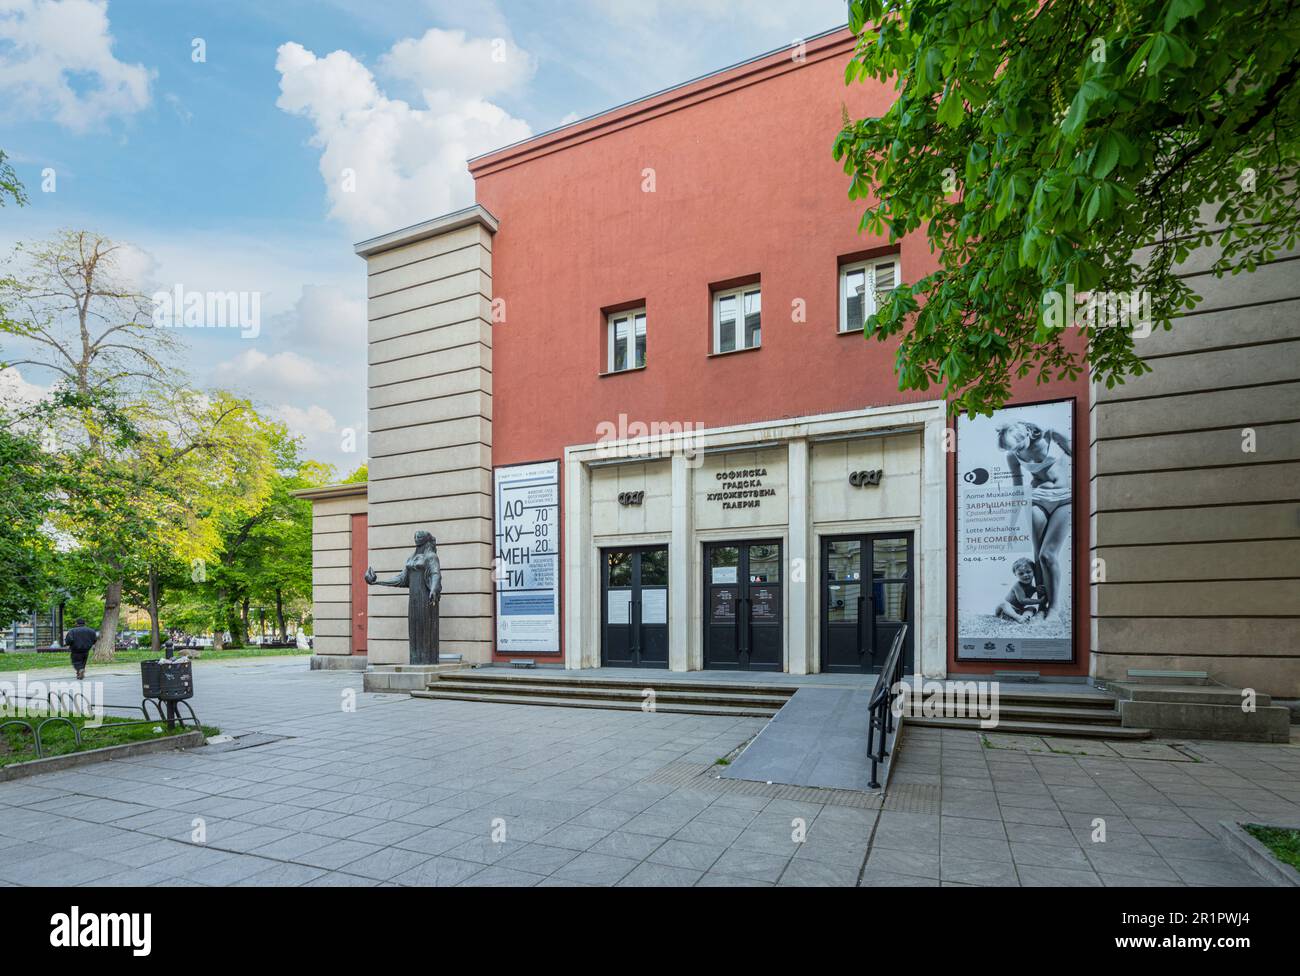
{"points": [[558, 699], [1082, 702], [1113, 733], [1201, 711], [694, 697], [1081, 715], [618, 692], [1068, 716], [583, 683]]}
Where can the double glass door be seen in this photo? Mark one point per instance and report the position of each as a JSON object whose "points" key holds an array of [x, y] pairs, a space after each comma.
{"points": [[866, 598], [742, 606], [634, 607]]}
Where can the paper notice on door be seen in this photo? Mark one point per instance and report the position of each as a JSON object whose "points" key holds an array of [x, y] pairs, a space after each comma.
{"points": [[618, 603], [724, 574], [654, 606]]}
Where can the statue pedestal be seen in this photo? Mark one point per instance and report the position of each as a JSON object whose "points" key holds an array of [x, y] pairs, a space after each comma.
{"points": [[404, 678]]}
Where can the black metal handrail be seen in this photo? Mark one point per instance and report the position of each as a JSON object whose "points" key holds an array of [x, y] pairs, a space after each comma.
{"points": [[880, 706]]}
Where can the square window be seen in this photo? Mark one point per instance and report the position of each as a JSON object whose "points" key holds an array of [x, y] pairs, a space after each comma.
{"points": [[860, 285]]}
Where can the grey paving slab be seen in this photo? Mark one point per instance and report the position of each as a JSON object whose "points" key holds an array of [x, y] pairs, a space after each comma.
{"points": [[592, 868], [751, 864], [410, 792], [650, 874]]}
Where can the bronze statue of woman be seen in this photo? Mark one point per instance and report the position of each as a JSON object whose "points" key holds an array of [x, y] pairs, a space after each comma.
{"points": [[422, 576]]}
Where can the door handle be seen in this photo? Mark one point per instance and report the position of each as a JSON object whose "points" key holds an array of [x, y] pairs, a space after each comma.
{"points": [[861, 628], [742, 623]]}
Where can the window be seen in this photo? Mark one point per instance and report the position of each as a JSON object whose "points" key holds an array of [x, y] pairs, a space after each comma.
{"points": [[626, 340], [737, 319], [860, 283]]}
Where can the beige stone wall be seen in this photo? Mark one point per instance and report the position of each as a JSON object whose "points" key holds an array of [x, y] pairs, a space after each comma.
{"points": [[1200, 538], [898, 495], [430, 424], [331, 567], [652, 516]]}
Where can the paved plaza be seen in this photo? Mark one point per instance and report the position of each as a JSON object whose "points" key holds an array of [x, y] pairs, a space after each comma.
{"points": [[346, 788]]}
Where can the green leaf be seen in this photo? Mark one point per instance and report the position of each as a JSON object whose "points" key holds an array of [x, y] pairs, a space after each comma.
{"points": [[1181, 10], [951, 110], [1106, 156]]}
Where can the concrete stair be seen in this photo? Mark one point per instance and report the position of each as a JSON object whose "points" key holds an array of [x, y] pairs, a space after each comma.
{"points": [[1200, 710], [398, 678], [1083, 716], [675, 697]]}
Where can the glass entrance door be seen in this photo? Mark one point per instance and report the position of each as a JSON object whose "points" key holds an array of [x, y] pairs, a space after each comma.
{"points": [[743, 606], [634, 607], [866, 598]]}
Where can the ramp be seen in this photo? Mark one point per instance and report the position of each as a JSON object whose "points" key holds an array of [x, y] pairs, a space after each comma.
{"points": [[818, 739]]}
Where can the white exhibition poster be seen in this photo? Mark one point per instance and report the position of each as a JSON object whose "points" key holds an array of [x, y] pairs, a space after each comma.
{"points": [[1015, 534], [527, 558]]}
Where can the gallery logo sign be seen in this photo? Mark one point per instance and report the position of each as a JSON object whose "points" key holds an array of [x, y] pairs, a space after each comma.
{"points": [[73, 930]]}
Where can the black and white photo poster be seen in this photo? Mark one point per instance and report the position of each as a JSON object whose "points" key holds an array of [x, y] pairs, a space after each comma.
{"points": [[1015, 534], [527, 562]]}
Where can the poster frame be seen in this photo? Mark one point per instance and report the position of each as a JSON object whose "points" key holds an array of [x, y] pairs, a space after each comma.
{"points": [[978, 658], [497, 649]]}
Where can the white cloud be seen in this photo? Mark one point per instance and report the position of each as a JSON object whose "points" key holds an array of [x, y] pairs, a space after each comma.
{"points": [[387, 163], [313, 420], [323, 436], [325, 318], [448, 61], [56, 61], [255, 373], [16, 392], [758, 14]]}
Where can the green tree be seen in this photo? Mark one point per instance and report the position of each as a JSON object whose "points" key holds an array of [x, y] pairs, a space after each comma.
{"points": [[10, 185], [1041, 146], [265, 552], [26, 550], [200, 455], [72, 311]]}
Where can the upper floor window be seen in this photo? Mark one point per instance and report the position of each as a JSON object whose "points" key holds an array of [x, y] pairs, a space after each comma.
{"points": [[737, 319], [626, 340], [860, 283]]}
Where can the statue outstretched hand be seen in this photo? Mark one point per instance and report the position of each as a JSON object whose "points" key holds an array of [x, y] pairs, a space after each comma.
{"points": [[370, 575]]}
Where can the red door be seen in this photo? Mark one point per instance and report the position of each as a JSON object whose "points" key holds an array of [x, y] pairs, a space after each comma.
{"points": [[360, 550]]}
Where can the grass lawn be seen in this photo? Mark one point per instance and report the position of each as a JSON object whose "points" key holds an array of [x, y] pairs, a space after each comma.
{"points": [[30, 661], [17, 745], [1283, 842]]}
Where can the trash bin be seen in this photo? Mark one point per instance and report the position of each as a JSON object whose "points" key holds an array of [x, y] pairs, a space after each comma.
{"points": [[171, 680]]}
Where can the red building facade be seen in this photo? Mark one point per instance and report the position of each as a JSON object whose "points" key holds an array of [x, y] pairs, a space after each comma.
{"points": [[629, 392]]}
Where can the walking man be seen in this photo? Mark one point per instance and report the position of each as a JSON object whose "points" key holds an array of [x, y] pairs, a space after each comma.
{"points": [[80, 639]]}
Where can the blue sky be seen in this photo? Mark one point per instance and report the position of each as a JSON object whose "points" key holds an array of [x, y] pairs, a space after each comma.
{"points": [[229, 173]]}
